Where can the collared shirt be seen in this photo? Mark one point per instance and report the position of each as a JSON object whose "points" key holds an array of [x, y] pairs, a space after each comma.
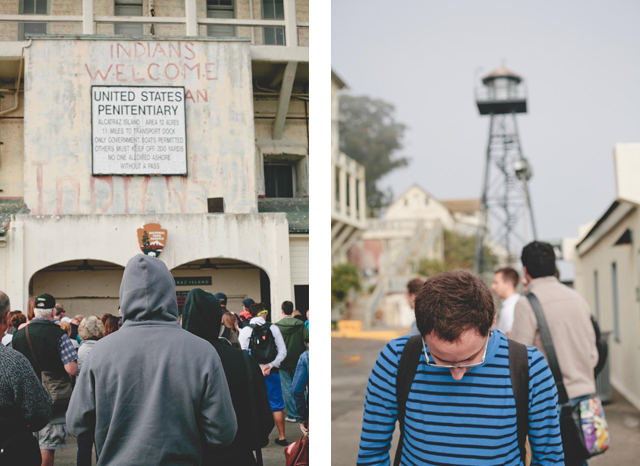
{"points": [[245, 337], [507, 311], [67, 352]]}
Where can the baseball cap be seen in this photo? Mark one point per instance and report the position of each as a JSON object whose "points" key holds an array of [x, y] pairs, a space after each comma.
{"points": [[221, 297], [45, 301], [248, 302]]}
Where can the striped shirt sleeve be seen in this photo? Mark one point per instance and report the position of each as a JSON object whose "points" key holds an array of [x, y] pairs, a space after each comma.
{"points": [[380, 409], [544, 423]]}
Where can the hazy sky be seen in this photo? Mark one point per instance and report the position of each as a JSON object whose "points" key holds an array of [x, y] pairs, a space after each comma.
{"points": [[581, 64]]}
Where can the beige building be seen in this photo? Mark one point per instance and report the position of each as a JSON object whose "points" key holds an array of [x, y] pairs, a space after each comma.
{"points": [[607, 273], [204, 131], [348, 193]]}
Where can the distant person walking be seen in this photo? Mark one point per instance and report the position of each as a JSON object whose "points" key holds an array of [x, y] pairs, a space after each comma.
{"points": [[245, 316], [201, 316], [53, 358], [463, 395], [151, 392], [505, 282], [25, 406], [267, 346], [568, 318], [296, 339]]}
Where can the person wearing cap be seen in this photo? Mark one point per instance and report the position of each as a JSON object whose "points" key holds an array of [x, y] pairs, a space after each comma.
{"points": [[49, 349], [245, 315], [222, 299]]}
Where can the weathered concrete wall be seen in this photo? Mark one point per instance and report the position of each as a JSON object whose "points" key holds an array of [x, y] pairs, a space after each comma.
{"points": [[11, 150], [37, 242], [220, 125]]}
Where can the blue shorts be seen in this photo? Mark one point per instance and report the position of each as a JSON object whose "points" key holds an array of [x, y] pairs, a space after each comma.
{"points": [[274, 392]]}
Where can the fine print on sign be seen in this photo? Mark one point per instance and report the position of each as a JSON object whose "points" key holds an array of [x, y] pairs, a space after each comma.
{"points": [[138, 130]]}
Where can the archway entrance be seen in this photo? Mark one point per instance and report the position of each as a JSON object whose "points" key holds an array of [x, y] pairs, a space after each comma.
{"points": [[87, 287], [237, 279]]}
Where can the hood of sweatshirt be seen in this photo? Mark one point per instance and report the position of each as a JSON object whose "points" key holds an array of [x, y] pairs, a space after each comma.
{"points": [[148, 291], [289, 325], [202, 315]]}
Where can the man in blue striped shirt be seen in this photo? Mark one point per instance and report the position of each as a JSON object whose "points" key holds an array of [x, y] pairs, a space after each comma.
{"points": [[460, 408]]}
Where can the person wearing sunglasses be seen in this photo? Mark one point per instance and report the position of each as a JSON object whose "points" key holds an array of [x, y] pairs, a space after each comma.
{"points": [[457, 403]]}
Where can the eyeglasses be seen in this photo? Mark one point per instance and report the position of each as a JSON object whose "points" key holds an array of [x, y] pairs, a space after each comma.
{"points": [[459, 366], [263, 312]]}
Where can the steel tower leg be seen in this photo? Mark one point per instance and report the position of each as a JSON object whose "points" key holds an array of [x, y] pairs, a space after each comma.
{"points": [[478, 259]]}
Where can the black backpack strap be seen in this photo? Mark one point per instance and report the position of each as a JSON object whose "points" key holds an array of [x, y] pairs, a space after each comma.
{"points": [[406, 373], [519, 370], [550, 351]]}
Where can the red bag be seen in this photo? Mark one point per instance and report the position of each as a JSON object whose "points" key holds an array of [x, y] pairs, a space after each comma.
{"points": [[297, 454]]}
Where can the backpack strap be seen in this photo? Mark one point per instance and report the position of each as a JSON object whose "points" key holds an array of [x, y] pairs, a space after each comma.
{"points": [[550, 351], [406, 373], [33, 353], [519, 370]]}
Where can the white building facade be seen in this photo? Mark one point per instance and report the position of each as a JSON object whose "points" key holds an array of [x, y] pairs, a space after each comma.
{"points": [[607, 273]]}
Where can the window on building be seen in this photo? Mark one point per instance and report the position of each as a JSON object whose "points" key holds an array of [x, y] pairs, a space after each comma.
{"points": [[221, 9], [273, 9], [279, 180], [596, 295], [32, 7], [614, 292], [128, 8]]}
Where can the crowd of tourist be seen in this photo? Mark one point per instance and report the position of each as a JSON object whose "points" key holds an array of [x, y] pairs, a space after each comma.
{"points": [[150, 385]]}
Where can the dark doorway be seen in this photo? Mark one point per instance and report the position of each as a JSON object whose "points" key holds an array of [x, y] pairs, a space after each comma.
{"points": [[302, 298]]}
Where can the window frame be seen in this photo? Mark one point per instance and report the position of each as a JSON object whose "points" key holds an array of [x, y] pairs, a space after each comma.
{"points": [[294, 187], [616, 303]]}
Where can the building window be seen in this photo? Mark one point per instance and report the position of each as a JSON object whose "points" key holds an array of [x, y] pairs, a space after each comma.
{"points": [[596, 296], [614, 292], [32, 7], [221, 9], [337, 188], [273, 9], [128, 8], [279, 180]]}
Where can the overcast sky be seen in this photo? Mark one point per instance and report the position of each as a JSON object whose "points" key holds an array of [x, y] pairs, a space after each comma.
{"points": [[581, 65]]}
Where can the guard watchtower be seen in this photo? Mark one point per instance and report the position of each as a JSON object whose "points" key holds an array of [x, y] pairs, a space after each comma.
{"points": [[504, 193]]}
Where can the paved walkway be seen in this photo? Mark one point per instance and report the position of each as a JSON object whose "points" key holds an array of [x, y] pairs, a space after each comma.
{"points": [[273, 455], [351, 363]]}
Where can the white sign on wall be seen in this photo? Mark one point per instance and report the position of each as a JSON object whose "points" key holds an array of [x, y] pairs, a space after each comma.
{"points": [[138, 130]]}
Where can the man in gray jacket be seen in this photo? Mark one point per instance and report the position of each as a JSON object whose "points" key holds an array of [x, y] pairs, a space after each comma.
{"points": [[151, 392]]}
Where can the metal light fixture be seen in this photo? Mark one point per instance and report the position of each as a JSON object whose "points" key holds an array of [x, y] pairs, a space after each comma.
{"points": [[85, 266], [208, 265]]}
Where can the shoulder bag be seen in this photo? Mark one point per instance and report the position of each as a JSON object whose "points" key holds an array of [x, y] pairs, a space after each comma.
{"points": [[583, 427]]}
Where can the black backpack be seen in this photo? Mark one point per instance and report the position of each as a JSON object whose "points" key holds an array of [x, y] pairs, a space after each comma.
{"points": [[262, 344], [242, 321]]}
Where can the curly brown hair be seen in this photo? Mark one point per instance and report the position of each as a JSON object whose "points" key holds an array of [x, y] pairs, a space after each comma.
{"points": [[452, 302]]}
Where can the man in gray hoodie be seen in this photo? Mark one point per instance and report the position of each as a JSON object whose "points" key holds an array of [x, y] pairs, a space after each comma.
{"points": [[151, 393]]}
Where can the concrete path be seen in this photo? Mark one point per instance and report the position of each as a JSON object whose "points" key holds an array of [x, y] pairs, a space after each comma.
{"points": [[351, 363], [272, 455]]}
